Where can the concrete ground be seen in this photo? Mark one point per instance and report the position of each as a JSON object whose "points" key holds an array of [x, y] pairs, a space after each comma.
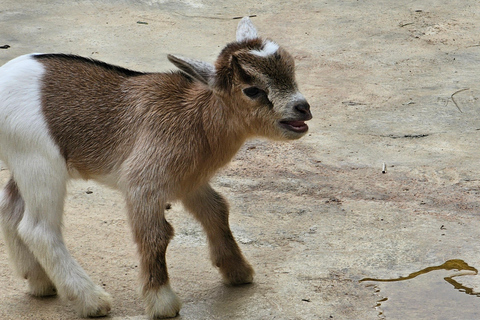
{"points": [[392, 82]]}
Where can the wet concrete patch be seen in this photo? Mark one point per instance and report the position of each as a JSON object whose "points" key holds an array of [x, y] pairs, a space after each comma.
{"points": [[430, 293]]}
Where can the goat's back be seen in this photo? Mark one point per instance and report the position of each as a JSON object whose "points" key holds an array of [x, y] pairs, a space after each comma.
{"points": [[94, 112]]}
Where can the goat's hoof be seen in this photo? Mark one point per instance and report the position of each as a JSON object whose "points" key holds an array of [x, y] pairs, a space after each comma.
{"points": [[162, 303], [96, 305], [103, 307], [42, 288], [239, 276], [101, 312]]}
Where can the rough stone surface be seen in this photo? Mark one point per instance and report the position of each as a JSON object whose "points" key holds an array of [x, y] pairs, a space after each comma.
{"points": [[314, 216]]}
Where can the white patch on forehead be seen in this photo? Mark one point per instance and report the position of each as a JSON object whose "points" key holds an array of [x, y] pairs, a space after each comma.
{"points": [[269, 48], [298, 97]]}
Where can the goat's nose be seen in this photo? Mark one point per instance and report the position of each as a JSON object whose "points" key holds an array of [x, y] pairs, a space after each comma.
{"points": [[304, 109]]}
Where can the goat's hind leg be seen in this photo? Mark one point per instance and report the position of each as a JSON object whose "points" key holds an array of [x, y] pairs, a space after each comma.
{"points": [[43, 187], [211, 209], [27, 266]]}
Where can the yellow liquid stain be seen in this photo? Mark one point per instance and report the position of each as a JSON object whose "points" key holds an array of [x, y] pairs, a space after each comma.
{"points": [[430, 293]]}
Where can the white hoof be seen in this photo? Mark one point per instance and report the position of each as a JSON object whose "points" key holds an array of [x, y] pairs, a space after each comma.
{"points": [[162, 303], [96, 304], [41, 288]]}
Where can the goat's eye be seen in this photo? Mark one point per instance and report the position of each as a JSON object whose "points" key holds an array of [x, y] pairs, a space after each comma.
{"points": [[253, 92]]}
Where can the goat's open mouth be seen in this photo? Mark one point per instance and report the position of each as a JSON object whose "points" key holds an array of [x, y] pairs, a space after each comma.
{"points": [[295, 125]]}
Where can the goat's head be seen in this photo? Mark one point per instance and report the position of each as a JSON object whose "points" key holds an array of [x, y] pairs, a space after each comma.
{"points": [[257, 77]]}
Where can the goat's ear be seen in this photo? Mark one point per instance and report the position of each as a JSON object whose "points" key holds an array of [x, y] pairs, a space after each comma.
{"points": [[199, 70], [246, 30], [239, 71]]}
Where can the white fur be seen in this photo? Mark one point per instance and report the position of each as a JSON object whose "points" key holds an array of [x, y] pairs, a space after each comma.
{"points": [[269, 48], [162, 303], [23, 260], [297, 97], [246, 30], [36, 243]]}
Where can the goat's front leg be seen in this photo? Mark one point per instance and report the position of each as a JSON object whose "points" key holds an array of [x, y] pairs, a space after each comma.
{"points": [[211, 209], [152, 233]]}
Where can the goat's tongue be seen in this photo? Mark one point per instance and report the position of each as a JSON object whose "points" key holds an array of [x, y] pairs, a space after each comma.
{"points": [[296, 125]]}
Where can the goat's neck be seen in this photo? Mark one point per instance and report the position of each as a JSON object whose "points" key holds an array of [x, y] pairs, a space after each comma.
{"points": [[224, 126]]}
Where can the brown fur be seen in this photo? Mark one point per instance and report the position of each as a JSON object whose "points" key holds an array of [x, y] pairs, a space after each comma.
{"points": [[161, 137], [169, 135]]}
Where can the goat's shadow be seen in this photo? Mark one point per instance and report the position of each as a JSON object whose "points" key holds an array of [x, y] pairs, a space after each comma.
{"points": [[223, 302]]}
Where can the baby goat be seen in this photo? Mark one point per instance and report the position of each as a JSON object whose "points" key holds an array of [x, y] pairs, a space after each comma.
{"points": [[156, 137]]}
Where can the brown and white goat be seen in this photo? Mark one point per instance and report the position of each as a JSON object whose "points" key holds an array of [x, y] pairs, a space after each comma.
{"points": [[156, 137]]}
